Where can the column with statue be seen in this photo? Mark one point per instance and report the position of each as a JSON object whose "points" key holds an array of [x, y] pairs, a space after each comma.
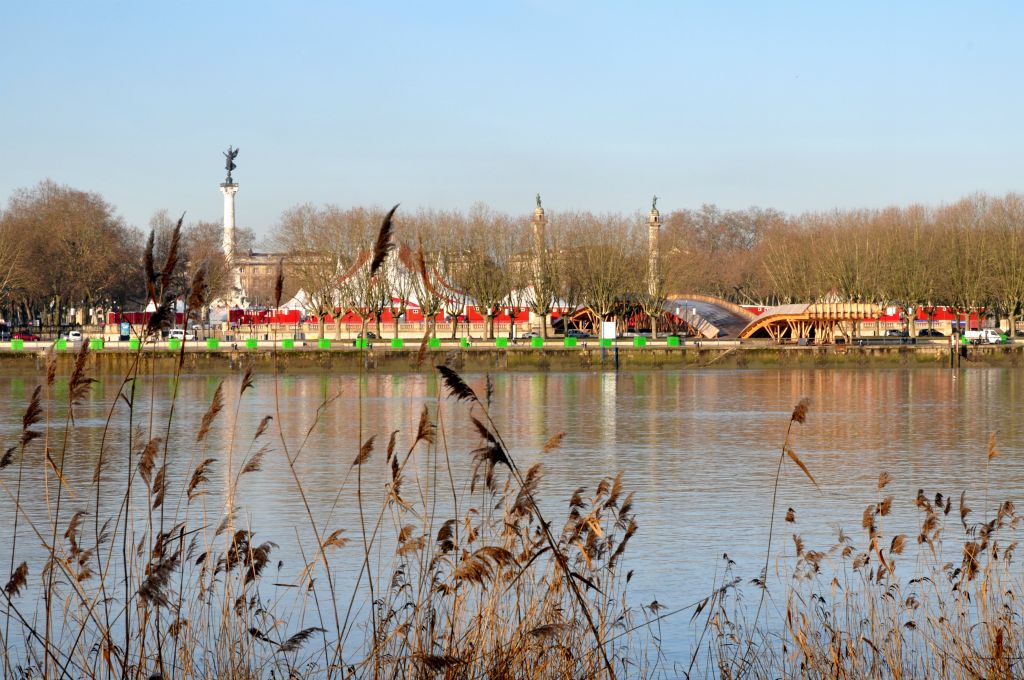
{"points": [[229, 188]]}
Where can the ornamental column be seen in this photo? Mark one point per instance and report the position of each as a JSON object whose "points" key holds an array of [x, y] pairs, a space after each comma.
{"points": [[653, 265], [229, 188], [538, 222], [228, 244], [229, 191]]}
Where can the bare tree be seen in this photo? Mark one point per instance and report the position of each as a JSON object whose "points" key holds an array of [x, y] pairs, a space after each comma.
{"points": [[604, 262], [315, 243], [965, 278], [80, 250], [483, 268], [1006, 227]]}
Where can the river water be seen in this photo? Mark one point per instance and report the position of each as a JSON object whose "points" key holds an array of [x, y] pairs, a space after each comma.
{"points": [[699, 449]]}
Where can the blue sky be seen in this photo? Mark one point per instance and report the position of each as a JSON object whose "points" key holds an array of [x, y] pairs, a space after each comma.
{"points": [[597, 105]]}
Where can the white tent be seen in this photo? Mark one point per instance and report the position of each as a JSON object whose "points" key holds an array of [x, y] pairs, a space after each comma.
{"points": [[299, 302]]}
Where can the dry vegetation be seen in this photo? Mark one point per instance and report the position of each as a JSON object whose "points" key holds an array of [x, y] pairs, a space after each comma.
{"points": [[941, 604]]}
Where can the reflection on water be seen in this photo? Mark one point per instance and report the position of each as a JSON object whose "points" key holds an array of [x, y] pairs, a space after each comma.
{"points": [[700, 450]]}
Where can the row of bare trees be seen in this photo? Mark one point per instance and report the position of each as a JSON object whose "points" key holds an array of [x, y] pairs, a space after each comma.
{"points": [[968, 255], [61, 248]]}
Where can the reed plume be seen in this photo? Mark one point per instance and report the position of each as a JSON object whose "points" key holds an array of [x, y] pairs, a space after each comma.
{"points": [[33, 414], [278, 284], [160, 320], [18, 580], [197, 291], [149, 267], [364, 451], [384, 243], [296, 641], [216, 405], [171, 263], [457, 387]]}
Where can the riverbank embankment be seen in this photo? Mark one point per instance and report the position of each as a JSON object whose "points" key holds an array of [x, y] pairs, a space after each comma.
{"points": [[384, 359]]}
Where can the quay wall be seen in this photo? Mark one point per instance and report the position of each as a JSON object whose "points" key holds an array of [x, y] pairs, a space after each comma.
{"points": [[473, 359]]}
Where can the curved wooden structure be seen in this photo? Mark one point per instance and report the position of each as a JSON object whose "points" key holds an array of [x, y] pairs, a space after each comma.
{"points": [[821, 321], [718, 302], [708, 316]]}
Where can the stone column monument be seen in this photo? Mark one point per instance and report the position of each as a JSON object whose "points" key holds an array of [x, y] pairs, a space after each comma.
{"points": [[653, 231], [229, 188], [538, 222]]}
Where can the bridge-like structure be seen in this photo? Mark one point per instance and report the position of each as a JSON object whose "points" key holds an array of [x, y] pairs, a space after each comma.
{"points": [[708, 316], [712, 317]]}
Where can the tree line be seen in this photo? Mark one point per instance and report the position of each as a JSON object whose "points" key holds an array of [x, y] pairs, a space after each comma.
{"points": [[968, 255], [62, 248]]}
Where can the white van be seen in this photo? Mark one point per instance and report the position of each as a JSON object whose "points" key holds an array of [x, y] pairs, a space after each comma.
{"points": [[986, 336]]}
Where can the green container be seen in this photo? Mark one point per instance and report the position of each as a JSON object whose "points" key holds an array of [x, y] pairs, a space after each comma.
{"points": [[212, 343], [639, 341], [673, 341], [464, 342], [501, 342], [288, 343], [62, 343], [536, 342], [174, 343], [569, 342], [17, 344], [96, 343], [607, 342], [397, 343], [134, 343], [362, 343], [434, 343], [324, 343], [252, 343]]}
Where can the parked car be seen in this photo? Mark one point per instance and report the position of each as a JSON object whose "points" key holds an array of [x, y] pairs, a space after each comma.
{"points": [[896, 333], [530, 334], [74, 336], [180, 334], [26, 336], [929, 333], [369, 335], [573, 333]]}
